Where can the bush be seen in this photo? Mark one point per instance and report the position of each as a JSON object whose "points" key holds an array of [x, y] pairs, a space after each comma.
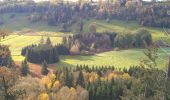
{"points": [[142, 38], [12, 16], [123, 40], [92, 28]]}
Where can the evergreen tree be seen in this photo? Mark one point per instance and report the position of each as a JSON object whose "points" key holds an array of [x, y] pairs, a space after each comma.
{"points": [[42, 40], [10, 62], [151, 53], [81, 26], [80, 80], [44, 69], [48, 41], [99, 72], [24, 68], [39, 53], [67, 78]]}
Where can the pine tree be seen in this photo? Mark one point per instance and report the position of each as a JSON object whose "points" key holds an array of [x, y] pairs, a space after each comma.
{"points": [[10, 62], [48, 41], [98, 91], [81, 26], [67, 78], [80, 80], [24, 68], [27, 54], [99, 73], [44, 70], [42, 40], [151, 53]]}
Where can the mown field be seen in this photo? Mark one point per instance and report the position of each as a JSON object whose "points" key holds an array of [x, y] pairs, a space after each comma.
{"points": [[30, 34], [119, 59], [123, 58], [119, 26], [17, 42], [20, 23]]}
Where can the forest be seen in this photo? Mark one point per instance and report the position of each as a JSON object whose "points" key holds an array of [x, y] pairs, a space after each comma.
{"points": [[84, 50]]}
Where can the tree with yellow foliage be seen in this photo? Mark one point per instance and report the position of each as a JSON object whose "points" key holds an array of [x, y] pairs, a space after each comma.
{"points": [[43, 96]]}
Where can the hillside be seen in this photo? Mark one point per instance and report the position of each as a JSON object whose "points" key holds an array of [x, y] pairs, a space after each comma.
{"points": [[31, 33], [20, 23]]}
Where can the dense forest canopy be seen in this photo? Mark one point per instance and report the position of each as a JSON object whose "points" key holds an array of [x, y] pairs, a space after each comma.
{"points": [[39, 76], [147, 14], [98, 42]]}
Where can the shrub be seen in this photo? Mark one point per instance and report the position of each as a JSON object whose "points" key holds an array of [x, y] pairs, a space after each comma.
{"points": [[12, 16], [142, 38], [123, 40], [92, 28]]}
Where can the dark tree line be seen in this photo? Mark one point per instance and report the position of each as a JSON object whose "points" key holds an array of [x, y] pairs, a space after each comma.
{"points": [[95, 42], [62, 50], [147, 14], [156, 15], [44, 52], [41, 53]]}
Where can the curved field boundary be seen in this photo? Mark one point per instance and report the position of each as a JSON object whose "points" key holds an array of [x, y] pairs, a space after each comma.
{"points": [[9, 39]]}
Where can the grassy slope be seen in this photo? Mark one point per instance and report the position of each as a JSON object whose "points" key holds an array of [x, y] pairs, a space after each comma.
{"points": [[124, 58], [17, 42], [122, 27], [116, 58], [20, 22]]}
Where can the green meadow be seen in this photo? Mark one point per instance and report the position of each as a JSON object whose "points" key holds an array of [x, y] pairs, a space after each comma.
{"points": [[25, 33], [119, 59], [20, 22], [17, 42]]}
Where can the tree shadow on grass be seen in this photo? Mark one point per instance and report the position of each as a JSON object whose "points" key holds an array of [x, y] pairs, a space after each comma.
{"points": [[78, 57]]}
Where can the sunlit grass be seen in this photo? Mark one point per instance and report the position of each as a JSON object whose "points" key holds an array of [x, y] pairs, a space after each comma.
{"points": [[20, 22], [120, 26], [119, 59], [17, 42]]}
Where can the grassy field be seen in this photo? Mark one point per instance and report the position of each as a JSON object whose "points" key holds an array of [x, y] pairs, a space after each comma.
{"points": [[17, 42], [119, 59], [124, 27], [20, 22], [125, 58]]}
